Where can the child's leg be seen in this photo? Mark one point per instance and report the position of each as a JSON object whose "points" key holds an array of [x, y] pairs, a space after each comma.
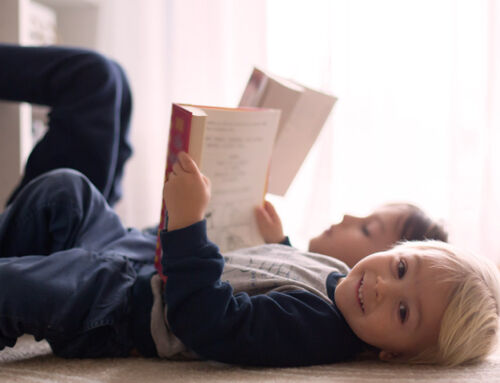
{"points": [[54, 281], [89, 120], [124, 145], [56, 211]]}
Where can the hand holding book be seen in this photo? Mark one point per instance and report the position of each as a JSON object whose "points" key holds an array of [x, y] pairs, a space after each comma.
{"points": [[269, 223], [186, 193], [233, 147]]}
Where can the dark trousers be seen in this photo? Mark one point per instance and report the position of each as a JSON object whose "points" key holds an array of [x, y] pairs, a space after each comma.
{"points": [[68, 267], [90, 103]]}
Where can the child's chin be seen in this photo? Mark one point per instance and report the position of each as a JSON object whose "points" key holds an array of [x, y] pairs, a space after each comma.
{"points": [[312, 245]]}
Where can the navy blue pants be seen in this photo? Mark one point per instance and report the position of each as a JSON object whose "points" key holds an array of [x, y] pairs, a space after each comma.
{"points": [[68, 267], [89, 120]]}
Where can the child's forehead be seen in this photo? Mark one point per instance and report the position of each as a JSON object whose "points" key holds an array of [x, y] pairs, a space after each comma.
{"points": [[426, 258], [433, 263], [394, 217]]}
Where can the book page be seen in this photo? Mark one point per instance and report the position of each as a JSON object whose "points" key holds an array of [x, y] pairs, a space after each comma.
{"points": [[297, 136], [265, 91], [236, 156], [254, 89], [303, 114]]}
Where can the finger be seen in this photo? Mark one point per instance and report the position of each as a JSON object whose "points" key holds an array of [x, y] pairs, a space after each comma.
{"points": [[177, 168], [268, 206], [187, 163], [258, 215], [206, 180], [261, 215]]}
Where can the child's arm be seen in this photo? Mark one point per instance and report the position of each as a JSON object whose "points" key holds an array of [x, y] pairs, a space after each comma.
{"points": [[269, 223], [276, 329], [186, 193]]}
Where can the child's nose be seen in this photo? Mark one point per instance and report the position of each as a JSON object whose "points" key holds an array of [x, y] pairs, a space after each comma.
{"points": [[347, 219], [383, 288]]}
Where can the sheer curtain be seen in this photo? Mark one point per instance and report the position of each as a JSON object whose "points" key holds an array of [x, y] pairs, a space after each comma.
{"points": [[195, 51], [418, 112], [134, 33]]}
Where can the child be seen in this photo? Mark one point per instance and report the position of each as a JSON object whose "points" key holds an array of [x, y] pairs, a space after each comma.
{"points": [[418, 302], [356, 237], [72, 274]]}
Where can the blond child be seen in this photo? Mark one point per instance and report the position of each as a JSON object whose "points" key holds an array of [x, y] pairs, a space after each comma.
{"points": [[420, 302]]}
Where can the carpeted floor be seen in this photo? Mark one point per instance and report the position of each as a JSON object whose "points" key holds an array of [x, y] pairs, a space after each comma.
{"points": [[33, 362]]}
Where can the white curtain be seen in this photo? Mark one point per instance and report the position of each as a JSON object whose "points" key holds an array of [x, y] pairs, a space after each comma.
{"points": [[134, 33], [196, 51], [418, 112]]}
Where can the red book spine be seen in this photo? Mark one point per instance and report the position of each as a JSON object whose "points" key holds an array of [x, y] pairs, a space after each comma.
{"points": [[180, 129]]}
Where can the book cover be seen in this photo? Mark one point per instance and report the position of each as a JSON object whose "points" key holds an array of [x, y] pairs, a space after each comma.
{"points": [[187, 131], [235, 152], [303, 113]]}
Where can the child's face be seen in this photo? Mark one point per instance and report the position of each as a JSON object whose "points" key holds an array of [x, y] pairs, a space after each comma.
{"points": [[356, 237], [394, 302]]}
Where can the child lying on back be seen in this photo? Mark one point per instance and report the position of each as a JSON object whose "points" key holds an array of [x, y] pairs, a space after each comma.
{"points": [[417, 302]]}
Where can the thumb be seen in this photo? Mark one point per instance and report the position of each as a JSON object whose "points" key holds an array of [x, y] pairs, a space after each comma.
{"points": [[187, 163]]}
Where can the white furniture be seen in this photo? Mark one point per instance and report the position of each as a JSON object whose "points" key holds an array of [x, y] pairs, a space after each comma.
{"points": [[40, 22]]}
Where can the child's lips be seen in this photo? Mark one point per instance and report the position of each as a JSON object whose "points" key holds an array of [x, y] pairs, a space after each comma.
{"points": [[359, 294]]}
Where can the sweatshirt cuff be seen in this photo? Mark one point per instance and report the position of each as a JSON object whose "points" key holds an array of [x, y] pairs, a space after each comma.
{"points": [[178, 242], [286, 241]]}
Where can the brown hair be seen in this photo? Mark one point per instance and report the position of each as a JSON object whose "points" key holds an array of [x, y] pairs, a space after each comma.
{"points": [[418, 226]]}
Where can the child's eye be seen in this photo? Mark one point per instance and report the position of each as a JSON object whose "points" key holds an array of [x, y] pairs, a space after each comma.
{"points": [[401, 269], [365, 230], [403, 312]]}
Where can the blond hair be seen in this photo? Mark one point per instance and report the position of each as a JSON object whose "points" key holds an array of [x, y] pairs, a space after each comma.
{"points": [[469, 326]]}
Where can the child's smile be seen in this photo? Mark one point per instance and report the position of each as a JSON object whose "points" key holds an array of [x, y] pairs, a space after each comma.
{"points": [[360, 295], [394, 301]]}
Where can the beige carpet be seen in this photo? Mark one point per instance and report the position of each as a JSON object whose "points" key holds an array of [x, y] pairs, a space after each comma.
{"points": [[31, 362]]}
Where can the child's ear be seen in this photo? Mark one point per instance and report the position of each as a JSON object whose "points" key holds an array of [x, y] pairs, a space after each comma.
{"points": [[387, 356]]}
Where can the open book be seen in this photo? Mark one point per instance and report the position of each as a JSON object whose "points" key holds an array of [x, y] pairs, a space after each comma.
{"points": [[303, 114], [232, 147]]}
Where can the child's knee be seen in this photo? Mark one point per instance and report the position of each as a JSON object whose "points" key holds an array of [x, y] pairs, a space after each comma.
{"points": [[63, 177], [66, 186], [98, 76], [121, 76]]}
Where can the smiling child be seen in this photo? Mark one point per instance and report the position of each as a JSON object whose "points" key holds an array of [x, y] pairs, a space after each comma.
{"points": [[72, 274], [420, 302]]}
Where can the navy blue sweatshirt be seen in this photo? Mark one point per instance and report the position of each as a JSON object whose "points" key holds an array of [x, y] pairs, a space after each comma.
{"points": [[293, 328]]}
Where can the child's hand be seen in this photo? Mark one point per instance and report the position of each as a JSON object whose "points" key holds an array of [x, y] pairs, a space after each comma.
{"points": [[186, 193], [269, 223]]}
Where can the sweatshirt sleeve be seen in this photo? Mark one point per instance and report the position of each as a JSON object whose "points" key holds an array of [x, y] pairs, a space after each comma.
{"points": [[286, 241], [277, 329]]}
